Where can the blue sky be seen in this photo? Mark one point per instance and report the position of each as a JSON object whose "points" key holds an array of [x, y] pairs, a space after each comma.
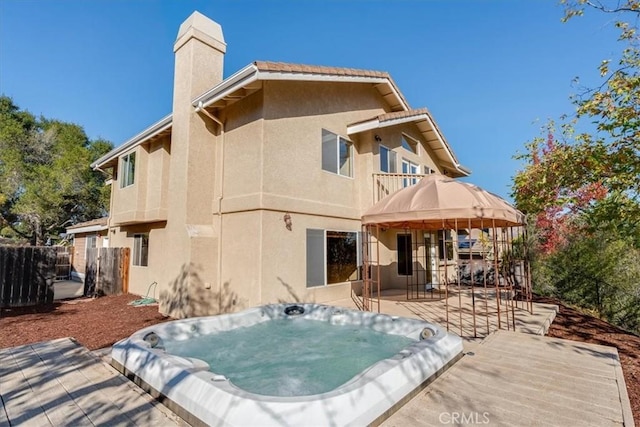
{"points": [[491, 72]]}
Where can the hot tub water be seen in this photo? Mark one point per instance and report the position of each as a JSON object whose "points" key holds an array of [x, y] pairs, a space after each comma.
{"points": [[290, 357]]}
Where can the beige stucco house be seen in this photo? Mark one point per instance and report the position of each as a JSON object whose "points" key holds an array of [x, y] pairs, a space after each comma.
{"points": [[252, 190]]}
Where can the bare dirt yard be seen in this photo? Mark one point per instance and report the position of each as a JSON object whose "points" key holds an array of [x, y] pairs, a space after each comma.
{"points": [[100, 322], [94, 322]]}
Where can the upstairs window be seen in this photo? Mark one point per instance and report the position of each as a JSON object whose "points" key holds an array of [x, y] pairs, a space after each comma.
{"points": [[127, 170], [387, 160], [337, 154], [409, 144], [409, 168], [141, 249]]}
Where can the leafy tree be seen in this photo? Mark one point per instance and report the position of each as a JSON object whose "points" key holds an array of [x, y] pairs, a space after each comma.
{"points": [[45, 179], [596, 173], [582, 188]]}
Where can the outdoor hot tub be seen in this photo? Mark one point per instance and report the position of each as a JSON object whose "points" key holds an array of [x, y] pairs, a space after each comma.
{"points": [[287, 364]]}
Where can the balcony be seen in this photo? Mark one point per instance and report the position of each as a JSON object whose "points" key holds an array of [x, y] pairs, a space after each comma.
{"points": [[388, 183]]}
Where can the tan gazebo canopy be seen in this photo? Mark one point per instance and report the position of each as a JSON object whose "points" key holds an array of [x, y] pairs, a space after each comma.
{"points": [[438, 202], [493, 277]]}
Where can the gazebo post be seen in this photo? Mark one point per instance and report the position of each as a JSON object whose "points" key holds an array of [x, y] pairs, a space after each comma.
{"points": [[525, 234], [484, 280], [457, 267], [378, 264], [446, 279], [514, 297], [473, 295], [505, 268], [496, 272]]}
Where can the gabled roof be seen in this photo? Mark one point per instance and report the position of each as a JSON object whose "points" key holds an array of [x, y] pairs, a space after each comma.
{"points": [[161, 127], [249, 80], [428, 128]]}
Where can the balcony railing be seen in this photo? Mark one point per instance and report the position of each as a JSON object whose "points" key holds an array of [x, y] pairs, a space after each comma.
{"points": [[388, 183]]}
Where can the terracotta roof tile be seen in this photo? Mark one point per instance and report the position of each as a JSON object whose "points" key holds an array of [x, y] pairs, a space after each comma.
{"points": [[394, 115], [318, 69], [402, 114]]}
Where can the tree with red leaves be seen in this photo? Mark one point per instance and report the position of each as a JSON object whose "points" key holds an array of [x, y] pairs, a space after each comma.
{"points": [[581, 190]]}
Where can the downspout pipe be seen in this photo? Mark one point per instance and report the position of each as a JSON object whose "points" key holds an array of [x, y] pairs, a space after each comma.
{"points": [[201, 109]]}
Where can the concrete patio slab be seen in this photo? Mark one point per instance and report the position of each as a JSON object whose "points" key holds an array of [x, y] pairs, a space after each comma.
{"points": [[67, 289]]}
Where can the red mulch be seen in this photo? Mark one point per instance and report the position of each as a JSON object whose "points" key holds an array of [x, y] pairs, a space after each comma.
{"points": [[100, 322], [95, 323], [574, 325]]}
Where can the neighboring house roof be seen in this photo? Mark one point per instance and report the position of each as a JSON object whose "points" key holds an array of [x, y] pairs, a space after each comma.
{"points": [[427, 126], [249, 80], [99, 224]]}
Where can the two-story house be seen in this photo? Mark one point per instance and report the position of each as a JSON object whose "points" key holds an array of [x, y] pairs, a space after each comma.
{"points": [[252, 190]]}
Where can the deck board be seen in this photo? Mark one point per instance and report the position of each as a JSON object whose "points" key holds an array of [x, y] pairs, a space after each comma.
{"points": [[526, 380], [510, 378], [60, 383]]}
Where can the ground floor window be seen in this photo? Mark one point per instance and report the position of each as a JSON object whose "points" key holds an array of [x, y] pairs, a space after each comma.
{"points": [[405, 255], [141, 249], [445, 245], [332, 257]]}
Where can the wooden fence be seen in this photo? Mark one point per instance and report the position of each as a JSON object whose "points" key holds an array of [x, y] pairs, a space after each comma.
{"points": [[107, 271], [27, 274], [64, 261]]}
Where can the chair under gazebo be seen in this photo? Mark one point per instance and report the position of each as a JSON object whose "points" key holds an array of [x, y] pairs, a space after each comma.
{"points": [[455, 244]]}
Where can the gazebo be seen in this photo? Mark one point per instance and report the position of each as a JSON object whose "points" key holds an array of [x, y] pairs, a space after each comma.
{"points": [[454, 243]]}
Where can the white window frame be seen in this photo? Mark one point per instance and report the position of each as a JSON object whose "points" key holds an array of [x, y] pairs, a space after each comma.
{"points": [[324, 257], [411, 169], [137, 258], [411, 142], [445, 238], [335, 169], [392, 160], [127, 176]]}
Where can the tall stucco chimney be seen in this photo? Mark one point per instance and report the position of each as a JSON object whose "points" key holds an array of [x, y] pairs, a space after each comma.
{"points": [[199, 55], [191, 269]]}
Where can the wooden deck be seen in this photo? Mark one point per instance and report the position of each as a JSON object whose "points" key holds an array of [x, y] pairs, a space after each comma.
{"points": [[508, 379], [515, 379], [60, 383], [460, 318]]}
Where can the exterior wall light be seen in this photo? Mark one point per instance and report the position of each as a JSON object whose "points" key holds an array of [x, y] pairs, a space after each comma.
{"points": [[287, 221]]}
